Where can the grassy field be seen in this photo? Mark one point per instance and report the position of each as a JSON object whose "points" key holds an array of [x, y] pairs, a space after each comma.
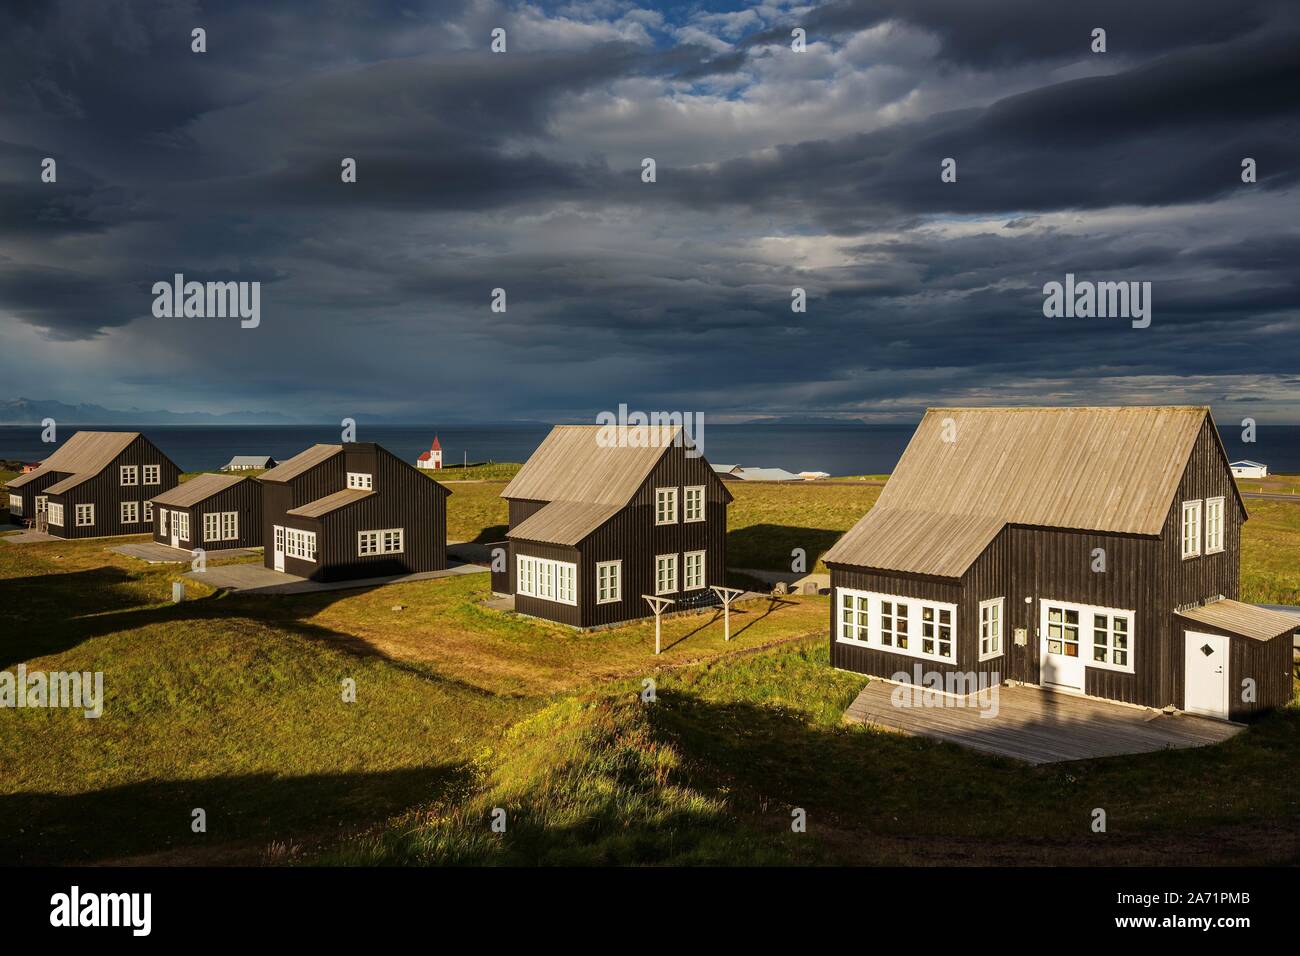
{"points": [[234, 705]]}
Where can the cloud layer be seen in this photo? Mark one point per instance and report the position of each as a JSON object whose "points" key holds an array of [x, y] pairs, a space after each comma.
{"points": [[776, 169]]}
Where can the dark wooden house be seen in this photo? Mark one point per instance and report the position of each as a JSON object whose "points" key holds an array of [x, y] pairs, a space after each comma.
{"points": [[94, 484], [212, 512], [596, 524], [340, 512], [1089, 550]]}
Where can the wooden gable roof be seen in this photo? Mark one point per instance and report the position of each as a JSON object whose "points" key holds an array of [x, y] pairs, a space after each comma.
{"points": [[82, 456]]}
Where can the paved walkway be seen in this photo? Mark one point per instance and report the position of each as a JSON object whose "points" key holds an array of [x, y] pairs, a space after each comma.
{"points": [[1039, 726], [258, 579], [40, 537], [156, 553]]}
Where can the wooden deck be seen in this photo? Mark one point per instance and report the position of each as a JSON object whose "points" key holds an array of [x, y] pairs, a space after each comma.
{"points": [[1039, 726]]}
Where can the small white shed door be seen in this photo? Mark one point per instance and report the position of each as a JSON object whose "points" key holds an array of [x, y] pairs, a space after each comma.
{"points": [[1205, 674]]}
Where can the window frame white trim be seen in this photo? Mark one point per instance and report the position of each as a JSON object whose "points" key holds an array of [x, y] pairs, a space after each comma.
{"points": [[676, 571], [670, 493], [548, 586], [15, 504], [121, 512], [616, 589], [146, 512], [55, 508], [355, 480], [1088, 628], [76, 515], [1196, 507], [687, 491], [704, 570], [1219, 504], [914, 620], [382, 543], [133, 471], [295, 544], [157, 474], [1001, 604], [181, 525]]}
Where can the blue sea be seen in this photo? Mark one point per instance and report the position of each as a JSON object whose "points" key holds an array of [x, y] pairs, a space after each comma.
{"points": [[851, 449]]}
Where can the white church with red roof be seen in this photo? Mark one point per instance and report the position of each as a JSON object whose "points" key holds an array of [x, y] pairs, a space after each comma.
{"points": [[431, 459]]}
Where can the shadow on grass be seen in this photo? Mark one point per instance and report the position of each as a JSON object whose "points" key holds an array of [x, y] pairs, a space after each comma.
{"points": [[155, 816], [768, 547]]}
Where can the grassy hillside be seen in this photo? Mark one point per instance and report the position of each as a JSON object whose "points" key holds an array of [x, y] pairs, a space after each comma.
{"points": [[234, 705]]}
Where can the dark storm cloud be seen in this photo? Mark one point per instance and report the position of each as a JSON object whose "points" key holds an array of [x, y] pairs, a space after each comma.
{"points": [[672, 294], [1004, 32]]}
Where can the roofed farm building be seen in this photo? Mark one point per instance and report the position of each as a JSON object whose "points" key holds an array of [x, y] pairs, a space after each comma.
{"points": [[596, 523], [212, 512], [343, 512], [94, 485], [1089, 550], [249, 463]]}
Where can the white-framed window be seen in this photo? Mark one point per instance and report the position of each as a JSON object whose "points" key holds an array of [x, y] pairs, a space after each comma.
{"points": [[279, 539], [609, 582], [357, 479], [300, 544], [898, 624], [1191, 528], [1112, 632], [230, 526], [665, 506], [665, 574], [130, 474], [181, 525], [693, 503], [162, 521], [42, 504], [1213, 525], [15, 504], [56, 514], [991, 628], [130, 512], [212, 526], [148, 512], [85, 516], [546, 579], [221, 526], [692, 570], [854, 617], [152, 474], [389, 541]]}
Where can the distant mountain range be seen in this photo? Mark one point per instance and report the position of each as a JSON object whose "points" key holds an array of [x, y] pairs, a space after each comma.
{"points": [[28, 411]]}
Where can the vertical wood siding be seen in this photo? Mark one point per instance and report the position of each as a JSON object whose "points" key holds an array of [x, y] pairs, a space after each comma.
{"points": [[104, 490], [244, 498]]}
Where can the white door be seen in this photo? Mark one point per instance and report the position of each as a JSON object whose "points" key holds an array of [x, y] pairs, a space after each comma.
{"points": [[176, 537], [279, 547], [1205, 674], [1060, 655]]}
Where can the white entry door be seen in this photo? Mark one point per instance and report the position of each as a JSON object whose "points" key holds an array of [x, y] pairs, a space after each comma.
{"points": [[1060, 657], [176, 537], [279, 547], [1205, 674]]}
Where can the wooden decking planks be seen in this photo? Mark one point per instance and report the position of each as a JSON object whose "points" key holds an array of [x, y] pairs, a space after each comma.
{"points": [[1038, 726]]}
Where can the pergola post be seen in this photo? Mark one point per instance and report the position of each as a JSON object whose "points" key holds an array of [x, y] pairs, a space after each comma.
{"points": [[726, 596], [657, 604]]}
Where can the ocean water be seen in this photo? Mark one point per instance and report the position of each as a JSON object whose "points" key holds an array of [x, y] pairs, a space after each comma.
{"points": [[838, 449]]}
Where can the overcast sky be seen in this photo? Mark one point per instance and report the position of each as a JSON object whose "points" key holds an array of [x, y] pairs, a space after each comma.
{"points": [[775, 169]]}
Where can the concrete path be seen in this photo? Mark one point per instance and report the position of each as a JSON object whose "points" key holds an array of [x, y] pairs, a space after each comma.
{"points": [[40, 537], [257, 579], [155, 553], [1034, 725]]}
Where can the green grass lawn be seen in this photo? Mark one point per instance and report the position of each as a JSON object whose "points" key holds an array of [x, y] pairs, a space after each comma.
{"points": [[234, 705]]}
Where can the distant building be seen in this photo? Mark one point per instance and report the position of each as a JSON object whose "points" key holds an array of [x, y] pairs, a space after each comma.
{"points": [[337, 512], [249, 463], [766, 474], [431, 459], [95, 485], [814, 475], [30, 467], [213, 512], [727, 472], [1248, 469]]}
